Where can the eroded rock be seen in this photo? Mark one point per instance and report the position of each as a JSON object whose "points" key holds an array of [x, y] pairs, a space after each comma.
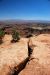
{"points": [[12, 54], [40, 64]]}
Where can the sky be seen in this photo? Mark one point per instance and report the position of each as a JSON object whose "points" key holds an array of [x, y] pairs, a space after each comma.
{"points": [[25, 9]]}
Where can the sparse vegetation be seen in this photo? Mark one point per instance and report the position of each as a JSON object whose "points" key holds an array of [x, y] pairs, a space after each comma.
{"points": [[15, 36], [2, 33]]}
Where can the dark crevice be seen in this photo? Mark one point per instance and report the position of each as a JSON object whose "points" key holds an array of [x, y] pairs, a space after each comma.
{"points": [[29, 51], [17, 69], [22, 65]]}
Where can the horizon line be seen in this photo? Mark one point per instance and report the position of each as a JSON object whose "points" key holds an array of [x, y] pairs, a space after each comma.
{"points": [[22, 20]]}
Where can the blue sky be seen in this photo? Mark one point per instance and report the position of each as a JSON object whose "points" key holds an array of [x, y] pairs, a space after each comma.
{"points": [[25, 9]]}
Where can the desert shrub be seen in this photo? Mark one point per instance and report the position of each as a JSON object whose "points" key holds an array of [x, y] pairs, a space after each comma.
{"points": [[15, 36], [2, 33]]}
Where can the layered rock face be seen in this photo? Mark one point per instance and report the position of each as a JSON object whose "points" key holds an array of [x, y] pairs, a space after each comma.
{"points": [[12, 54], [39, 63]]}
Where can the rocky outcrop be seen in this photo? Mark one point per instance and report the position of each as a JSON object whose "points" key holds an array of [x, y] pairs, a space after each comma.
{"points": [[26, 57], [12, 54], [39, 63]]}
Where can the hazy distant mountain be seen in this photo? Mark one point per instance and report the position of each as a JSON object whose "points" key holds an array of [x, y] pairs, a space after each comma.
{"points": [[23, 21]]}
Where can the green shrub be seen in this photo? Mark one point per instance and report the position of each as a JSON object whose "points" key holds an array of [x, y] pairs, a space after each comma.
{"points": [[2, 33], [15, 36]]}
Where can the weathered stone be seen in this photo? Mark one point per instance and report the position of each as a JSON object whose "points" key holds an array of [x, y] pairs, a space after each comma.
{"points": [[12, 54], [40, 63]]}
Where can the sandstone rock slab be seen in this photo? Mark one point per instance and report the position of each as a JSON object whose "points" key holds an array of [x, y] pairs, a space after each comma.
{"points": [[40, 64], [12, 54]]}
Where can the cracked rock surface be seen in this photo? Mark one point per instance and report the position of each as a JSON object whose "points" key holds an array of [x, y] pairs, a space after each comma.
{"points": [[40, 63], [12, 54], [16, 55]]}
